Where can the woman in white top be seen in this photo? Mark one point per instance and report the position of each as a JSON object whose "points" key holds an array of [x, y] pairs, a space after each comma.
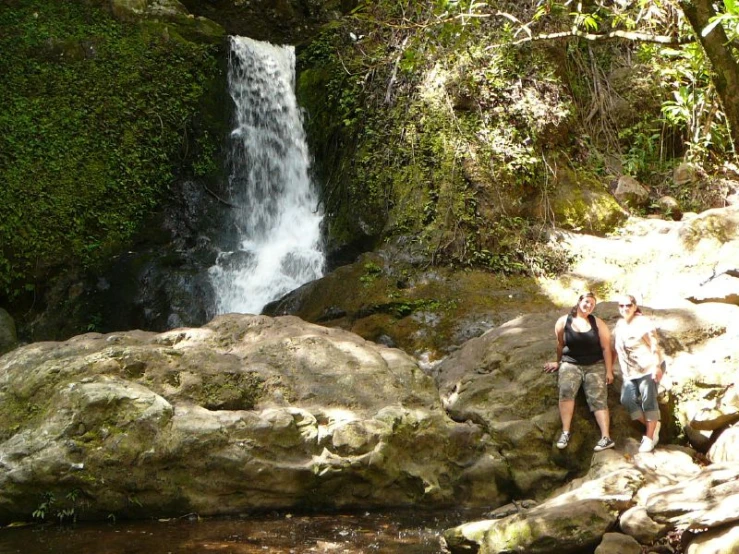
{"points": [[635, 339]]}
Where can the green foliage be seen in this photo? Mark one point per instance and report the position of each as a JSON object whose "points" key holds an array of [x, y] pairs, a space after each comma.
{"points": [[95, 123], [438, 123], [66, 509], [728, 19], [691, 111], [694, 109], [372, 272], [643, 152], [399, 115]]}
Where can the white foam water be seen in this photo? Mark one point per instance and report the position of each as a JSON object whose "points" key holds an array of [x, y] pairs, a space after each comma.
{"points": [[278, 220]]}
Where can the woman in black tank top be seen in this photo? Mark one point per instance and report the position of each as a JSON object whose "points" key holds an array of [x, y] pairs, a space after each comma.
{"points": [[584, 358]]}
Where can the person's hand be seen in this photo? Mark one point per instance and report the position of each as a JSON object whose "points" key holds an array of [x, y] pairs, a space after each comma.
{"points": [[609, 377], [551, 367], [657, 375]]}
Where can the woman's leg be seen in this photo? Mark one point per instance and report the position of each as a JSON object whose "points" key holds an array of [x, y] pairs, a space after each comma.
{"points": [[650, 405], [570, 379], [629, 393], [566, 411], [596, 393]]}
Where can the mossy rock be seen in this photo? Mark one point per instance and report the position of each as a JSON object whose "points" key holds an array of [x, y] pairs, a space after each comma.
{"points": [[122, 108], [581, 203], [393, 298], [172, 12]]}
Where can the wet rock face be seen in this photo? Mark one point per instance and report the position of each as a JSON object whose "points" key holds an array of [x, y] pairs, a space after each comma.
{"points": [[276, 21], [163, 282], [159, 283]]}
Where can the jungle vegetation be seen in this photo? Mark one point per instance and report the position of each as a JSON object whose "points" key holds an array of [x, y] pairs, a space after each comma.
{"points": [[462, 114], [451, 121]]}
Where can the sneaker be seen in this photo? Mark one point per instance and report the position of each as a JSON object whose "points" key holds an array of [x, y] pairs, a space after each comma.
{"points": [[564, 440], [655, 437], [647, 445], [604, 444]]}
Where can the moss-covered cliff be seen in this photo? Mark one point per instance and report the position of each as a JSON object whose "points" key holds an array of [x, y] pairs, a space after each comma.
{"points": [[98, 119]]}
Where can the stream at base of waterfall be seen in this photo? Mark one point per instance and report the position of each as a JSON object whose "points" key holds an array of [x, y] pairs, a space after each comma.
{"points": [[387, 532]]}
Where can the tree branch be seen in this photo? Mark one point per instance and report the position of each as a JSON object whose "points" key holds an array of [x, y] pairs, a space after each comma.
{"points": [[219, 199], [627, 35]]}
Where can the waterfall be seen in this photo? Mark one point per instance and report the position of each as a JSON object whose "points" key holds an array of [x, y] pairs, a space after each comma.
{"points": [[276, 218]]}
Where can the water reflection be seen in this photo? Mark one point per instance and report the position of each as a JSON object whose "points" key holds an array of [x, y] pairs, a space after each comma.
{"points": [[364, 533]]}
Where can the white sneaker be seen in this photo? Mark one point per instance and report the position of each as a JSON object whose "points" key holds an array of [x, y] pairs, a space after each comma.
{"points": [[655, 437], [647, 444], [564, 440]]}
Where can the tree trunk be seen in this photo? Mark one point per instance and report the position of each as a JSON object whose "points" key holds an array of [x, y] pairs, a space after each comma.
{"points": [[725, 66]]}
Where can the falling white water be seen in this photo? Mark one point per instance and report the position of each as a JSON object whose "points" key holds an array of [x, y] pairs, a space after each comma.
{"points": [[277, 219]]}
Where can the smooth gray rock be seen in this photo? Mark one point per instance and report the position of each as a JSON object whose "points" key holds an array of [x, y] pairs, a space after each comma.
{"points": [[716, 541], [710, 499], [617, 543], [636, 522], [631, 192], [542, 530], [726, 447]]}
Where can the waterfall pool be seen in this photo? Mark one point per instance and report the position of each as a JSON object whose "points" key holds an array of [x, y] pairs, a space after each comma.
{"points": [[386, 532]]}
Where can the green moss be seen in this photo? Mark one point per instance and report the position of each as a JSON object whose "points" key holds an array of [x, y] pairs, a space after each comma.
{"points": [[17, 412], [231, 391], [441, 145], [580, 202], [514, 536], [98, 119]]}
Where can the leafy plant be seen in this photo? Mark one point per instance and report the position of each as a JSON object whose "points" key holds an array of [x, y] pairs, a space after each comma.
{"points": [[372, 272], [693, 108], [44, 508], [66, 510], [729, 19]]}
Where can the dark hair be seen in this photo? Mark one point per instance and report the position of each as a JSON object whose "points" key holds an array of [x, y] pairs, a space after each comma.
{"points": [[573, 311], [633, 302]]}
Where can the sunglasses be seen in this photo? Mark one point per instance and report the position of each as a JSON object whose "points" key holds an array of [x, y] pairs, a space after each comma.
{"points": [[625, 305]]}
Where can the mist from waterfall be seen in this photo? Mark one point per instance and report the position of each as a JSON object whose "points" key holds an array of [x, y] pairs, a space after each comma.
{"points": [[276, 215]]}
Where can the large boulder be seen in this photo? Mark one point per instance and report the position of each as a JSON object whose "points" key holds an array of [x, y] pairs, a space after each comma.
{"points": [[392, 295], [708, 500], [246, 413], [668, 485], [497, 381], [581, 203], [630, 192]]}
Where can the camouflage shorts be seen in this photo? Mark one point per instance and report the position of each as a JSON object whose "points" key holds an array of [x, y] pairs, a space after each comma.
{"points": [[591, 377]]}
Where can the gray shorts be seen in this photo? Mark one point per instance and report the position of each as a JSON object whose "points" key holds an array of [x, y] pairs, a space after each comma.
{"points": [[591, 377]]}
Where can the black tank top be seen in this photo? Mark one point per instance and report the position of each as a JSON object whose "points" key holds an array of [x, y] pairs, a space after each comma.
{"points": [[582, 348]]}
